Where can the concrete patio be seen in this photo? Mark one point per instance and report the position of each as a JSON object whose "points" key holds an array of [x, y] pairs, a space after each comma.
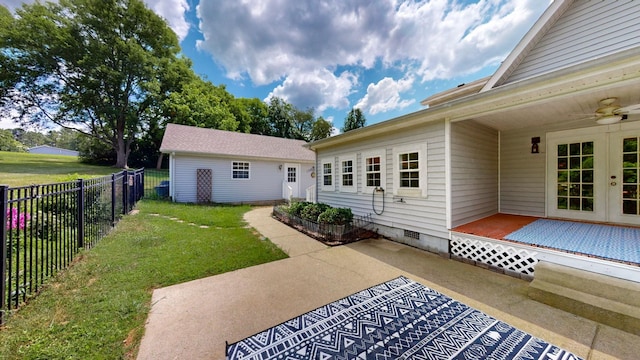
{"points": [[193, 320]]}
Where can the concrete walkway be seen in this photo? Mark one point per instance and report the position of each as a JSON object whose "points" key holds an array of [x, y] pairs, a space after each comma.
{"points": [[193, 320]]}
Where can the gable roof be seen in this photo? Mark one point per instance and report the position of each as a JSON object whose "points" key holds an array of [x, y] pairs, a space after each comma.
{"points": [[195, 140]]}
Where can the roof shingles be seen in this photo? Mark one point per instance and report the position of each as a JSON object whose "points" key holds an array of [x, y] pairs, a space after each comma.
{"points": [[194, 140]]}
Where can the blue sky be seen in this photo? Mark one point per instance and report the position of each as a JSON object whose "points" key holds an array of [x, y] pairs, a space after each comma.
{"points": [[383, 56]]}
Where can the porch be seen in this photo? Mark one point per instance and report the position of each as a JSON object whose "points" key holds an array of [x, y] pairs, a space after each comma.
{"points": [[517, 243], [588, 269]]}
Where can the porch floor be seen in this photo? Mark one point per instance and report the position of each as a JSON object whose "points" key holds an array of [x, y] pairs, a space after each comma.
{"points": [[618, 244]]}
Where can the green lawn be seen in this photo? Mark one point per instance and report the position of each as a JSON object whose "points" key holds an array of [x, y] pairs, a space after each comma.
{"points": [[18, 169], [98, 307]]}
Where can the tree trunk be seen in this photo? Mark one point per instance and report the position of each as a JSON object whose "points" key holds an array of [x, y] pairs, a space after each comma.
{"points": [[122, 154], [159, 163]]}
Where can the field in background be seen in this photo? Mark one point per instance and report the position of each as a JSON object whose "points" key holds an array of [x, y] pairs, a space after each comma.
{"points": [[20, 169]]}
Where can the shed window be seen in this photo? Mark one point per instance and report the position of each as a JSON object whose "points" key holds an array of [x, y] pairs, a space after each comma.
{"points": [[240, 170]]}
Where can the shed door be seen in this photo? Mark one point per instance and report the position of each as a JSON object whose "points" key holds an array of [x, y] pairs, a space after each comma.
{"points": [[292, 180]]}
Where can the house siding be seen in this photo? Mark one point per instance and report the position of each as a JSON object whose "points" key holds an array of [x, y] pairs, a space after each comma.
{"points": [[425, 215], [264, 183], [588, 30], [523, 174], [474, 172]]}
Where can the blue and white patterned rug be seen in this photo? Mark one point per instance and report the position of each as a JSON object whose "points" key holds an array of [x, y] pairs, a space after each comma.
{"points": [[399, 319], [605, 241]]}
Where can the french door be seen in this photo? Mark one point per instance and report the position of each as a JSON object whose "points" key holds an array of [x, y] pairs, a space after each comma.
{"points": [[592, 174]]}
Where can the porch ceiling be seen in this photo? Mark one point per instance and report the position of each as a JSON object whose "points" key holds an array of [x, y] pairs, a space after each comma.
{"points": [[569, 96], [575, 109]]}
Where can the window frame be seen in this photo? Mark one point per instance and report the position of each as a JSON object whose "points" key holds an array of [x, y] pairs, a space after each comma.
{"points": [[354, 173], [235, 170], [383, 170], [331, 163], [421, 190]]}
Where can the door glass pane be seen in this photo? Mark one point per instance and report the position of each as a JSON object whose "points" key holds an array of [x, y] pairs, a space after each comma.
{"points": [[291, 175], [630, 169], [575, 186]]}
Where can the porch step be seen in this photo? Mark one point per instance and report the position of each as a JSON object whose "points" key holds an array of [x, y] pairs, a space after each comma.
{"points": [[605, 299]]}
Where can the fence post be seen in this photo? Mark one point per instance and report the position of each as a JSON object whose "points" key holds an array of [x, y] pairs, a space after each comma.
{"points": [[4, 190], [80, 213], [141, 184], [113, 200], [125, 191]]}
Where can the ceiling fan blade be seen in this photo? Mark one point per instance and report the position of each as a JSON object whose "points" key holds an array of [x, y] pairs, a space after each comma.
{"points": [[631, 109]]}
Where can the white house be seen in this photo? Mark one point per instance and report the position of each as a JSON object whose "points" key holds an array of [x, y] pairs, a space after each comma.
{"points": [[552, 134], [207, 165], [52, 150]]}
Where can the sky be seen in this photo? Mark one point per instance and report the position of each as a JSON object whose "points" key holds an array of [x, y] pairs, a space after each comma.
{"points": [[381, 56]]}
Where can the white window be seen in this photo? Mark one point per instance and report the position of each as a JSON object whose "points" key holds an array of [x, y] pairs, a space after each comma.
{"points": [[373, 170], [348, 174], [326, 181], [240, 170], [410, 170]]}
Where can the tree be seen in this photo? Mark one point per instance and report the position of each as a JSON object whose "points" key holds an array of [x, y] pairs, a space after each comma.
{"points": [[9, 143], [321, 129], [354, 120], [99, 66], [280, 115]]}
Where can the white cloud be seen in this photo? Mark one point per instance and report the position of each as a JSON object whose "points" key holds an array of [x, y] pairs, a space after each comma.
{"points": [[174, 11], [385, 96], [318, 89], [296, 42]]}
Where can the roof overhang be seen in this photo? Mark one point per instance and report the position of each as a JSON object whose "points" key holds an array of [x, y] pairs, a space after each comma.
{"points": [[570, 95], [235, 157]]}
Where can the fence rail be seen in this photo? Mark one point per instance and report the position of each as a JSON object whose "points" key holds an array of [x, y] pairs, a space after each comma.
{"points": [[43, 227]]}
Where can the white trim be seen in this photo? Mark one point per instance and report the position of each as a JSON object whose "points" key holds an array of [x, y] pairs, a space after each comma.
{"points": [[447, 173], [172, 176], [332, 162], [537, 31], [382, 154], [354, 173], [421, 149], [248, 170]]}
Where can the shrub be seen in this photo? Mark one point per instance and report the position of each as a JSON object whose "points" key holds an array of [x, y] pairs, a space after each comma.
{"points": [[296, 208], [336, 216], [312, 211]]}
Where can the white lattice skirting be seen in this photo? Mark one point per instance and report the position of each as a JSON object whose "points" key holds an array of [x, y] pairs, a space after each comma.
{"points": [[495, 254]]}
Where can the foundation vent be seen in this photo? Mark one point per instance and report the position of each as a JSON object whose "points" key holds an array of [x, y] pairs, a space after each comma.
{"points": [[412, 234]]}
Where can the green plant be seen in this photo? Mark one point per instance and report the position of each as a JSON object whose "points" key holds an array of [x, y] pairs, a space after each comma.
{"points": [[336, 216], [296, 208], [312, 211]]}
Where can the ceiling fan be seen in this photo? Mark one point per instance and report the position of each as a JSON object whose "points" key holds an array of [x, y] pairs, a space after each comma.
{"points": [[610, 112]]}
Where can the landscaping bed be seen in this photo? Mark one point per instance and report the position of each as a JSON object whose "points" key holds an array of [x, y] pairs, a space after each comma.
{"points": [[331, 226]]}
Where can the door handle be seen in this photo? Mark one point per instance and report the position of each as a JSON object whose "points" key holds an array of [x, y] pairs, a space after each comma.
{"points": [[613, 183]]}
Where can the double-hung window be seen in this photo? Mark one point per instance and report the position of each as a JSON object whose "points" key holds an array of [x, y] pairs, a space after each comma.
{"points": [[240, 170], [410, 170], [373, 170], [348, 174], [327, 175]]}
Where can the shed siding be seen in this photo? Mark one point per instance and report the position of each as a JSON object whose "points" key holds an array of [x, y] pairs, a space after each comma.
{"points": [[588, 30], [264, 183], [474, 172], [425, 215]]}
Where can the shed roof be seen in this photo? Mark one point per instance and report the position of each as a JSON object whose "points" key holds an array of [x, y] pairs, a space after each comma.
{"points": [[195, 140]]}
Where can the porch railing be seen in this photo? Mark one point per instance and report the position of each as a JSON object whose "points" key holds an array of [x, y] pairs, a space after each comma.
{"points": [[311, 194], [42, 227]]}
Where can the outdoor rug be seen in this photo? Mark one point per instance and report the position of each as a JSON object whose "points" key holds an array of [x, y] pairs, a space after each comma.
{"points": [[605, 241], [399, 319]]}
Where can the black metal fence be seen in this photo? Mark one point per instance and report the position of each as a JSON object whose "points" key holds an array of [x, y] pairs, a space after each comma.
{"points": [[43, 227]]}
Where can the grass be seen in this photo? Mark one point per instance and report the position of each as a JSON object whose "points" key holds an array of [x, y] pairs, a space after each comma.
{"points": [[19, 169], [98, 307]]}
